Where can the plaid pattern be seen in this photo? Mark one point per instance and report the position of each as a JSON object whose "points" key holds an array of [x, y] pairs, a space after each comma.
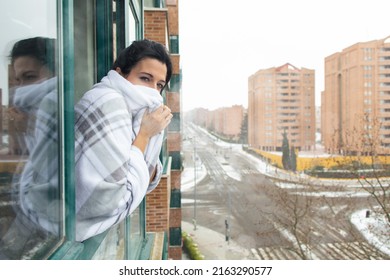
{"points": [[112, 176], [38, 185]]}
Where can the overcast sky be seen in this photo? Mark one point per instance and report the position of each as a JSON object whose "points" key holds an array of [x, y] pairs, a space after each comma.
{"points": [[223, 42]]}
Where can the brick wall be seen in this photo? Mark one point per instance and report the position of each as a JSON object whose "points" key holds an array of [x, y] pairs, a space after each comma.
{"points": [[174, 136], [173, 101], [159, 25], [157, 210], [155, 27], [157, 202], [173, 17]]}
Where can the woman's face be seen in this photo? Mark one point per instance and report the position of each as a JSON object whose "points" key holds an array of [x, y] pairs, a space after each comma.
{"points": [[28, 70], [148, 72]]}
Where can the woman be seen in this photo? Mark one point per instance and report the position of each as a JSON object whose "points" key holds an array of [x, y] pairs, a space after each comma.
{"points": [[118, 133]]}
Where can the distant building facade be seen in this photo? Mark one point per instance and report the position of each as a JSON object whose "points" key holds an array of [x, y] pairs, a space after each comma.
{"points": [[282, 99], [225, 122], [228, 122], [355, 105]]}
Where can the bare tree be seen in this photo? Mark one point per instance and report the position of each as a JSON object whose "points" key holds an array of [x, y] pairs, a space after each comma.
{"points": [[365, 152]]}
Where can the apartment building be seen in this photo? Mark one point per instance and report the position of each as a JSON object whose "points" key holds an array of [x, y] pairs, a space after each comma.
{"points": [[356, 100], [228, 122], [225, 122], [281, 99], [201, 117]]}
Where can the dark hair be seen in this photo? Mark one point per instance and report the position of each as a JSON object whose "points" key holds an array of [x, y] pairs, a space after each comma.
{"points": [[41, 48], [140, 50]]}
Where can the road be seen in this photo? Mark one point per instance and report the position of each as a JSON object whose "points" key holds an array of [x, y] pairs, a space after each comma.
{"points": [[252, 209]]}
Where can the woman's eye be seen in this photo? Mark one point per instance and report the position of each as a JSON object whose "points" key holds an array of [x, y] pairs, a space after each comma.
{"points": [[27, 79], [30, 78], [145, 79], [160, 86]]}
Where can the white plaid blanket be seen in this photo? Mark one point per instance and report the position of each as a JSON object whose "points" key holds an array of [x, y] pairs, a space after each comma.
{"points": [[112, 175], [38, 185]]}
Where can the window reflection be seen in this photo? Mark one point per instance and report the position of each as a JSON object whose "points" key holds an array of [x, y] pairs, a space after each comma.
{"points": [[30, 199], [133, 25], [135, 236], [112, 247]]}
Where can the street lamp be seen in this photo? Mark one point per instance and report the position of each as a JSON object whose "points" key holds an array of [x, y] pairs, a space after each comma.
{"points": [[227, 221], [194, 159]]}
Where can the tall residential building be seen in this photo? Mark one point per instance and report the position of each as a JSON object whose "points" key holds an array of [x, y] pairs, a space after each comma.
{"points": [[281, 99], [356, 100]]}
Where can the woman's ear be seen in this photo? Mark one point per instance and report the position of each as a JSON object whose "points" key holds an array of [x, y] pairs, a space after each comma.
{"points": [[118, 70]]}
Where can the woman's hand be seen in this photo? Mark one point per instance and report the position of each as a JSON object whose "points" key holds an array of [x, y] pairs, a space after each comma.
{"points": [[155, 122], [152, 124]]}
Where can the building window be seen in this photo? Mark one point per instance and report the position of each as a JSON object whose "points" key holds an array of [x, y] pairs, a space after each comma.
{"points": [[367, 93]]}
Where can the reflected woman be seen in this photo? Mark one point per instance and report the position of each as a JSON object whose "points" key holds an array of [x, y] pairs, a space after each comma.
{"points": [[35, 110]]}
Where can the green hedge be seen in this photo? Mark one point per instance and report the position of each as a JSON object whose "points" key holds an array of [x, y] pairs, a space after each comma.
{"points": [[345, 174], [191, 248]]}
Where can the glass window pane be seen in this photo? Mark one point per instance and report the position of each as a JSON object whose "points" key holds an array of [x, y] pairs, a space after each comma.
{"points": [[133, 25], [135, 236], [30, 193], [149, 3], [112, 247], [84, 47]]}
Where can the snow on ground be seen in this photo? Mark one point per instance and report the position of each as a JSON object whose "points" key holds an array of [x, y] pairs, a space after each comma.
{"points": [[188, 175], [374, 228]]}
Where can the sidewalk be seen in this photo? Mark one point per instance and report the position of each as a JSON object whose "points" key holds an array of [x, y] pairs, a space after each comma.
{"points": [[213, 246]]}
